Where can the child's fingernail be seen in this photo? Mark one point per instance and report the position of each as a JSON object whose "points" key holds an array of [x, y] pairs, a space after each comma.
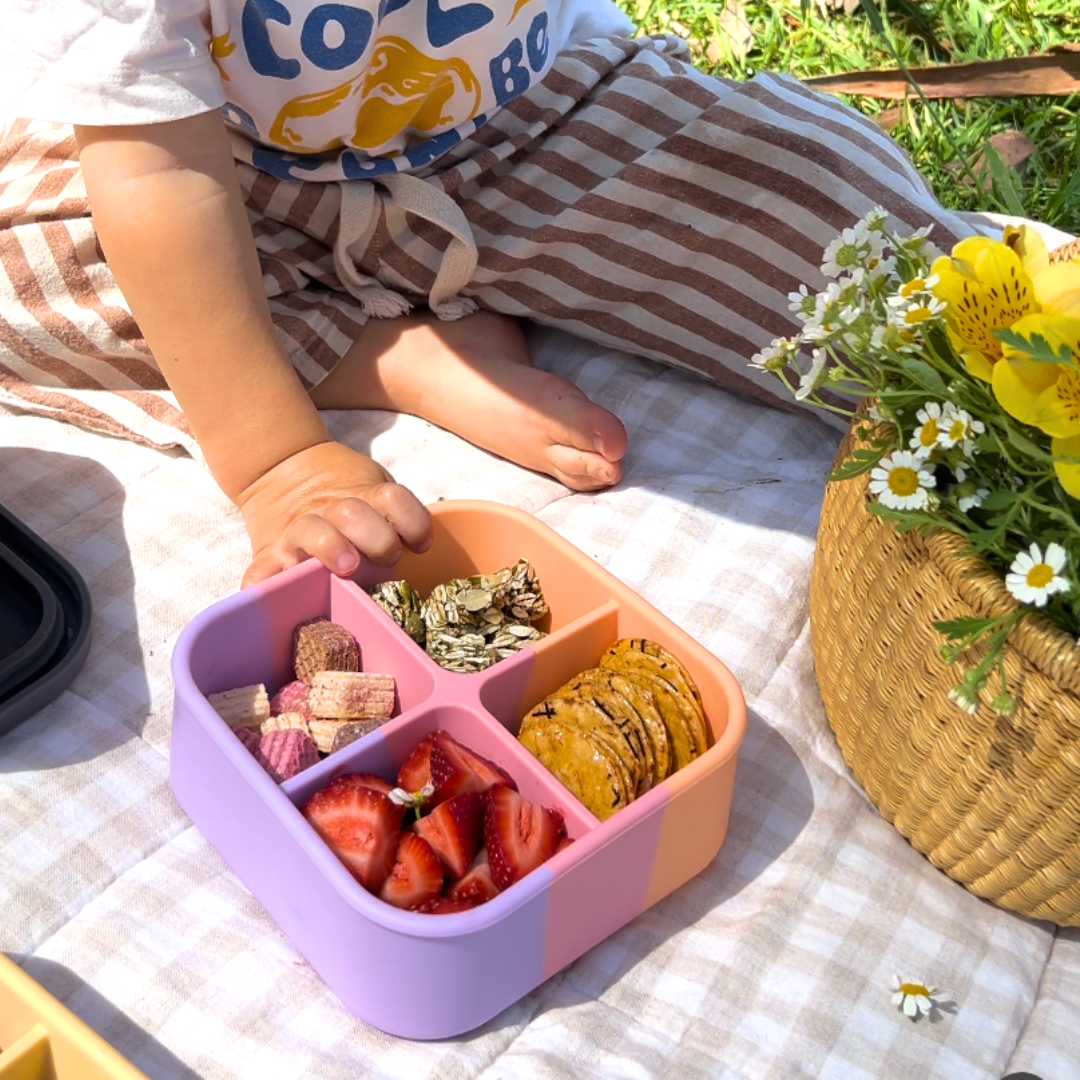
{"points": [[346, 564]]}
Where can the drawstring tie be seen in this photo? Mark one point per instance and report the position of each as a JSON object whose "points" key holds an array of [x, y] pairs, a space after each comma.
{"points": [[360, 207]]}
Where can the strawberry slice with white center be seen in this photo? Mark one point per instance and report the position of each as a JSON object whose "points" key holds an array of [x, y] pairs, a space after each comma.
{"points": [[360, 825], [417, 875], [453, 829], [456, 769], [519, 835], [415, 771], [477, 885]]}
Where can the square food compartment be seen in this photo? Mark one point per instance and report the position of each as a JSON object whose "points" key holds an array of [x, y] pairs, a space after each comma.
{"points": [[473, 963], [42, 1040]]}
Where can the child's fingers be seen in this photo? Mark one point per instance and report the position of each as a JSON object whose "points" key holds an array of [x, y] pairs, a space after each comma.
{"points": [[364, 529], [405, 512], [308, 535]]}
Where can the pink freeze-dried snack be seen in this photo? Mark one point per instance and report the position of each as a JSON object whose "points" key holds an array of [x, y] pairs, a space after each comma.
{"points": [[283, 754], [293, 697]]}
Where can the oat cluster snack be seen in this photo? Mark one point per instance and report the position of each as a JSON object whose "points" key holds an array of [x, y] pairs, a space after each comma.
{"points": [[616, 730], [329, 705], [467, 624]]}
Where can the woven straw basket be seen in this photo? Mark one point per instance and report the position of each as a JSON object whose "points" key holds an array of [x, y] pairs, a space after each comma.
{"points": [[993, 801]]}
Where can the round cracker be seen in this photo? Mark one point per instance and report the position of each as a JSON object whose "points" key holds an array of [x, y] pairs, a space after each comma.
{"points": [[590, 717], [583, 764], [627, 653], [675, 710], [595, 685], [655, 730]]}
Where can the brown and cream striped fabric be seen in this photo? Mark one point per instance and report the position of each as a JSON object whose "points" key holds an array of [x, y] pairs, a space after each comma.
{"points": [[628, 199]]}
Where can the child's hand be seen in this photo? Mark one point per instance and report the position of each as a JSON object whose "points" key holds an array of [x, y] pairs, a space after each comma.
{"points": [[332, 503]]}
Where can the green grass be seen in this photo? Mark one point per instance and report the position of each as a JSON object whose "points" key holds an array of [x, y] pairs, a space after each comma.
{"points": [[816, 42]]}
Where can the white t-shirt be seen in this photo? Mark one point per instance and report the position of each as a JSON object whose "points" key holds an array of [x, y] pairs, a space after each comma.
{"points": [[322, 89]]}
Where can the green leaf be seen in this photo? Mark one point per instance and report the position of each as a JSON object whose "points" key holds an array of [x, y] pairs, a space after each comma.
{"points": [[872, 13], [903, 520], [1004, 186], [1035, 347], [999, 500], [861, 461], [965, 626], [1026, 446], [926, 377]]}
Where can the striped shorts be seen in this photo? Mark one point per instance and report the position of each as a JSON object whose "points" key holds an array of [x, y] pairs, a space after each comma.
{"points": [[628, 199]]}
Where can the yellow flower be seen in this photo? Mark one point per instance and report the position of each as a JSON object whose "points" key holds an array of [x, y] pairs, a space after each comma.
{"points": [[1068, 472], [1057, 285], [985, 287], [1035, 392]]}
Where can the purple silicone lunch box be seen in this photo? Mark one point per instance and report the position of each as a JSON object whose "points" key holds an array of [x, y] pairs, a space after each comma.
{"points": [[431, 976]]}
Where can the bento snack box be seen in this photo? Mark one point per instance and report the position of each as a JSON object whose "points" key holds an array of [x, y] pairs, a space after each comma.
{"points": [[42, 1040], [417, 975]]}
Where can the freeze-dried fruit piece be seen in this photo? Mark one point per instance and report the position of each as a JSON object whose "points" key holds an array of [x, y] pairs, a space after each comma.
{"points": [[332, 735], [352, 695], [453, 829], [285, 753], [417, 874], [361, 826], [286, 721], [292, 698], [322, 645], [246, 706]]}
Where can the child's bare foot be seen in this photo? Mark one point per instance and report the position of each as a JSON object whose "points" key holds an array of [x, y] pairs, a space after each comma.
{"points": [[475, 378]]}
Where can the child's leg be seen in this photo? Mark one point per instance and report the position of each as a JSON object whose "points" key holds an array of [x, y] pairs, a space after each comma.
{"points": [[638, 203], [475, 377]]}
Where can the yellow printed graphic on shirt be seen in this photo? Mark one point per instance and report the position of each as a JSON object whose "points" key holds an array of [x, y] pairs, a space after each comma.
{"points": [[220, 48], [403, 90]]}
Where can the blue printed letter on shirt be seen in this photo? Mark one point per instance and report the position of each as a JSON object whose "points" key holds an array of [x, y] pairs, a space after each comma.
{"points": [[356, 25], [446, 26], [260, 52], [509, 76]]}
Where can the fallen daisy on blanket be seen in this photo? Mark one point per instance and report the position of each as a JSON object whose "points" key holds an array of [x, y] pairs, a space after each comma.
{"points": [[913, 998]]}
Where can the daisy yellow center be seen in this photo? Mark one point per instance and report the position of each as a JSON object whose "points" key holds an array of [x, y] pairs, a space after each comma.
{"points": [[848, 255], [913, 286], [915, 989], [916, 315], [956, 430], [928, 433], [1040, 575], [903, 481]]}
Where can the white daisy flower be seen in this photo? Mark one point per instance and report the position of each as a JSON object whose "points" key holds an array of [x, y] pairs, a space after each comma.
{"points": [[959, 428], [913, 312], [412, 800], [961, 695], [901, 481], [815, 375], [777, 356], [914, 998], [928, 433], [844, 254], [1033, 577], [918, 285], [968, 496], [803, 302]]}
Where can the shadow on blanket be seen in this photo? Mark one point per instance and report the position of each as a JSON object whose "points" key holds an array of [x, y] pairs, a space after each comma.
{"points": [[143, 1051], [76, 505]]}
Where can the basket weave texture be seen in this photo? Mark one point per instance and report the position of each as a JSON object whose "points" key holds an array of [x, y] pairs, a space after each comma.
{"points": [[993, 801]]}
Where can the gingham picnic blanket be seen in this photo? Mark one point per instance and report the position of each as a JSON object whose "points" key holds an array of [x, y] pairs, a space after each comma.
{"points": [[775, 962]]}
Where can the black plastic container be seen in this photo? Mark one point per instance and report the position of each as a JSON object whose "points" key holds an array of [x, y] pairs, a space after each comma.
{"points": [[44, 622]]}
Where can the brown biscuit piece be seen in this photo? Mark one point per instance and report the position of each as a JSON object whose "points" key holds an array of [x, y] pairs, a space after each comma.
{"points": [[322, 645]]}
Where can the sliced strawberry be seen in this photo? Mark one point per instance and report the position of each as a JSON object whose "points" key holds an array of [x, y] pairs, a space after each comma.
{"points": [[361, 827], [519, 835], [417, 875], [456, 769], [441, 905], [360, 779], [453, 829], [415, 772], [477, 885]]}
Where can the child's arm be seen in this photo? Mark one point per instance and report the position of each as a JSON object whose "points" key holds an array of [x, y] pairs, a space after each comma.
{"points": [[170, 216]]}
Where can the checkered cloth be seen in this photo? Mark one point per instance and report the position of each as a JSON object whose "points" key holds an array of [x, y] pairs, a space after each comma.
{"points": [[772, 964]]}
